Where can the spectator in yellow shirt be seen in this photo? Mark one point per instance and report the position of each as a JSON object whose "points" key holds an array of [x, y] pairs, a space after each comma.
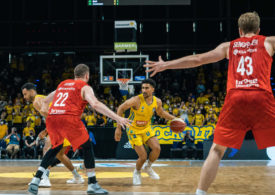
{"points": [[31, 119], [90, 119], [3, 130], [27, 129], [198, 119], [17, 120], [211, 119], [200, 100], [9, 110]]}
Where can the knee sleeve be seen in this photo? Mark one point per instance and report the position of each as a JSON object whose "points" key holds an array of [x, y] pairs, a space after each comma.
{"points": [[55, 162], [88, 152], [50, 156]]}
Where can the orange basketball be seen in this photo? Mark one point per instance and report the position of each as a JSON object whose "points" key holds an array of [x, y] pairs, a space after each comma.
{"points": [[177, 125]]}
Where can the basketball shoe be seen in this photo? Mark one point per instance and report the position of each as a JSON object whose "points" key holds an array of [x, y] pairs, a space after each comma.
{"points": [[148, 169], [136, 178], [95, 188]]}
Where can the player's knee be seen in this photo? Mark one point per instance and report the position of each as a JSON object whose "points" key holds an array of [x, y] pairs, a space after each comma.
{"points": [[156, 148], [143, 157], [218, 150]]}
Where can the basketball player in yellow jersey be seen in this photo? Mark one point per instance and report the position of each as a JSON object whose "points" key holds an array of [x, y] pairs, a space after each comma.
{"points": [[140, 132], [30, 94]]}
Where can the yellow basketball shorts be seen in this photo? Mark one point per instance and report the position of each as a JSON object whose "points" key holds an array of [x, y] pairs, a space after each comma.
{"points": [[66, 143], [139, 138]]}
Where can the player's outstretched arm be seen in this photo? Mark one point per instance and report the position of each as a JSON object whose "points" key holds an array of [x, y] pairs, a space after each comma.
{"points": [[270, 45], [191, 61], [132, 102], [88, 95], [162, 113]]}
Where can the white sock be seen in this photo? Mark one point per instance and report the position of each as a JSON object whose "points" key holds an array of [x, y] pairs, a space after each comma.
{"points": [[91, 174], [200, 192], [75, 173], [136, 171], [35, 180]]}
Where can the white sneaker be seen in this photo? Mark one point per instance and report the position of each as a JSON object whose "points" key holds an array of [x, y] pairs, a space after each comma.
{"points": [[151, 172], [45, 182], [136, 178], [75, 180], [96, 189]]}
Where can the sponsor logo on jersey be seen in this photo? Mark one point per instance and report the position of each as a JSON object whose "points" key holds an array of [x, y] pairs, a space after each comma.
{"points": [[69, 84], [64, 88], [247, 83], [247, 44], [54, 111], [141, 123]]}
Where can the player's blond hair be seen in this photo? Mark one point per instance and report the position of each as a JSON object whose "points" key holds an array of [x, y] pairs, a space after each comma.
{"points": [[80, 70], [249, 22]]}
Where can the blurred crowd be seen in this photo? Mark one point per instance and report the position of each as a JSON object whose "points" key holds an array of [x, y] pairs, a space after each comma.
{"points": [[195, 95]]}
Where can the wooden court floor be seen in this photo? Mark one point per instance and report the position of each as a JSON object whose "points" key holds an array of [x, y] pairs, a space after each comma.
{"points": [[176, 177]]}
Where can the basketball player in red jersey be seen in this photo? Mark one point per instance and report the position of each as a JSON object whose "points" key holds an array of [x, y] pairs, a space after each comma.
{"points": [[63, 121], [249, 93]]}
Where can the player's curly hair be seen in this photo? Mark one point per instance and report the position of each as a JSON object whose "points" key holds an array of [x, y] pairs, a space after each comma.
{"points": [[249, 22]]}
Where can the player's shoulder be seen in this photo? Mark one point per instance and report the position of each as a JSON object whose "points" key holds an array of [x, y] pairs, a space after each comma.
{"points": [[270, 39], [158, 100], [135, 98]]}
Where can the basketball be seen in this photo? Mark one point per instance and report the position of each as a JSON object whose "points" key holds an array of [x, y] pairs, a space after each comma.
{"points": [[177, 125]]}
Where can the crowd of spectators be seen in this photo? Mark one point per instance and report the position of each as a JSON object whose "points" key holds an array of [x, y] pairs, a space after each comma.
{"points": [[195, 95]]}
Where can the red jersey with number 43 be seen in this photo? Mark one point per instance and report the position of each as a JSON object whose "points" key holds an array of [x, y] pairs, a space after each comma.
{"points": [[249, 64], [67, 99]]}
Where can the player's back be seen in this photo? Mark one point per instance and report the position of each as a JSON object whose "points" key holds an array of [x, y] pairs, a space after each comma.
{"points": [[67, 99], [249, 64]]}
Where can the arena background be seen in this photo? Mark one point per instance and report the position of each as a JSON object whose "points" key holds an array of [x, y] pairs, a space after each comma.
{"points": [[41, 42]]}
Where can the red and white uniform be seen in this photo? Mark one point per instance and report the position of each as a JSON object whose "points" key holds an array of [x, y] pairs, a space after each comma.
{"points": [[249, 103], [64, 116]]}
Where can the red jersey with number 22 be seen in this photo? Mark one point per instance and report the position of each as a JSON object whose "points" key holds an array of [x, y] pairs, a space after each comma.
{"points": [[249, 64], [67, 99]]}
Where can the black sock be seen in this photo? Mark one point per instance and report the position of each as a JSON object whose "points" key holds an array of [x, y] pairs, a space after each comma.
{"points": [[39, 174], [91, 180]]}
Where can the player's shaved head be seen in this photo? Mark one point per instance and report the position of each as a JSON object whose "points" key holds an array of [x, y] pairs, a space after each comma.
{"points": [[81, 70]]}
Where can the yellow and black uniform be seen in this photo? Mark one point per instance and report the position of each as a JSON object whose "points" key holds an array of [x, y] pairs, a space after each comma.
{"points": [[140, 130], [66, 142]]}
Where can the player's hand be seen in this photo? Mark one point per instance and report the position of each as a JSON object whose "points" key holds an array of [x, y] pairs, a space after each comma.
{"points": [[42, 134], [123, 122], [155, 67], [118, 134]]}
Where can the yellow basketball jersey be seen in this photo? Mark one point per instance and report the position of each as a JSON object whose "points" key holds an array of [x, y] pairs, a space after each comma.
{"points": [[43, 96], [142, 117]]}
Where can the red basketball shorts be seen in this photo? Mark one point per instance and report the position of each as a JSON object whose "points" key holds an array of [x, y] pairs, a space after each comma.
{"points": [[66, 126], [246, 110]]}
